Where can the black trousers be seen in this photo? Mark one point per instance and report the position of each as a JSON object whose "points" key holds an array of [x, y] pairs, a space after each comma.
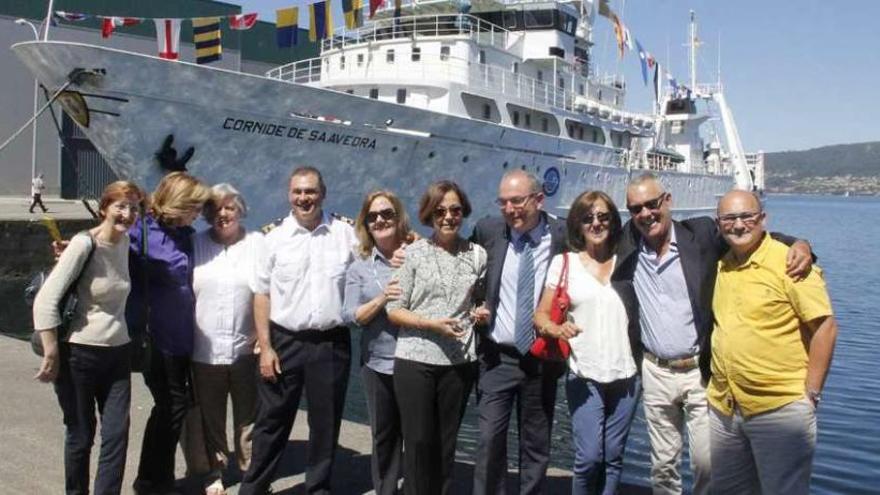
{"points": [[38, 200], [168, 378], [432, 400], [509, 380], [386, 430], [318, 361], [91, 375]]}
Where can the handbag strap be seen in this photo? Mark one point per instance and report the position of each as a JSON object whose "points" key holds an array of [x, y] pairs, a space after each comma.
{"points": [[145, 272], [562, 284], [92, 245]]}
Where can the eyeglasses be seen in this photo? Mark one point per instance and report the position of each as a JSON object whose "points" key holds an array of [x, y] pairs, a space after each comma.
{"points": [[386, 214], [589, 218], [516, 201], [440, 212], [130, 207], [651, 205], [749, 218]]}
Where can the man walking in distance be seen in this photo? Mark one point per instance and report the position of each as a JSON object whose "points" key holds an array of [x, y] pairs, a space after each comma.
{"points": [[302, 341], [37, 187], [771, 350], [520, 245], [672, 265]]}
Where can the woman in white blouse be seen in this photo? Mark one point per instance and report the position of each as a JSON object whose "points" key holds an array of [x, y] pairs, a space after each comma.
{"points": [[602, 386], [223, 361]]}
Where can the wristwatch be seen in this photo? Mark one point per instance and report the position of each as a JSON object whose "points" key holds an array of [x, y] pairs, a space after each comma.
{"points": [[815, 396]]}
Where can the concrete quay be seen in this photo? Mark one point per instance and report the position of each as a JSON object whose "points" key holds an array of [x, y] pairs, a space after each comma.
{"points": [[32, 439]]}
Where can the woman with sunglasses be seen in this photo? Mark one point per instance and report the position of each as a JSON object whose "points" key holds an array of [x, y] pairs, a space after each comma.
{"points": [[435, 359], [602, 385], [382, 227]]}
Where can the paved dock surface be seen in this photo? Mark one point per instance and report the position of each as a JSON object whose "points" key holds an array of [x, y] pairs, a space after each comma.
{"points": [[16, 208], [31, 434]]}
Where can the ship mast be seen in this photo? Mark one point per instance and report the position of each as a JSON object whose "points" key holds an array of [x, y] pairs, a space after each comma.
{"points": [[693, 44]]}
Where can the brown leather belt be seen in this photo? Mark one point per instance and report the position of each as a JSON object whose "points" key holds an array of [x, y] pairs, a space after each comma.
{"points": [[681, 364]]}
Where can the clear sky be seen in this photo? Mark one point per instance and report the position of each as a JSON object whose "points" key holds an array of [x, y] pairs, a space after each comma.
{"points": [[797, 74]]}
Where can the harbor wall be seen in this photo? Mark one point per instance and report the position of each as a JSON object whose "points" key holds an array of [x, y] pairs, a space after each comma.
{"points": [[25, 247]]}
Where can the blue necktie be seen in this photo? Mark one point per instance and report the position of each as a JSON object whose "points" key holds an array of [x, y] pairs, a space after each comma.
{"points": [[525, 298]]}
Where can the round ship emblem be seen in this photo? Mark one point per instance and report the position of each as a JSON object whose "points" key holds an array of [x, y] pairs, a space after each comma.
{"points": [[551, 181]]}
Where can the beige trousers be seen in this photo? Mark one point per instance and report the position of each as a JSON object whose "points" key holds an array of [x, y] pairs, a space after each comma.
{"points": [[204, 438], [673, 399]]}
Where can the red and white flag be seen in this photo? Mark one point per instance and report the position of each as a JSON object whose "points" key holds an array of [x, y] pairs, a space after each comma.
{"points": [[168, 36], [241, 22], [108, 24]]}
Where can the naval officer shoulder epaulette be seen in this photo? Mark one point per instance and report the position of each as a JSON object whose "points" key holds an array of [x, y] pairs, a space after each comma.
{"points": [[269, 227], [342, 218]]}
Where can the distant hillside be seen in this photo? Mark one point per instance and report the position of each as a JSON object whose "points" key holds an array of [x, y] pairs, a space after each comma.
{"points": [[853, 168]]}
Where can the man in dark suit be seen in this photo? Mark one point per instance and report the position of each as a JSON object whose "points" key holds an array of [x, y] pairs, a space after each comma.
{"points": [[672, 266], [520, 244]]}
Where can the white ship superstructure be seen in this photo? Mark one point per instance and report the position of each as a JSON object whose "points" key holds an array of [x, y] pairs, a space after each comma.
{"points": [[433, 93]]}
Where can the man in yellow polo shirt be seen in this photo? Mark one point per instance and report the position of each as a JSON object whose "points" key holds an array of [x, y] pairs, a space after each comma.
{"points": [[771, 350]]}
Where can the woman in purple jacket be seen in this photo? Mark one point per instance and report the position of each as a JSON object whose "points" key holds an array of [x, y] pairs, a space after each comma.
{"points": [[162, 301]]}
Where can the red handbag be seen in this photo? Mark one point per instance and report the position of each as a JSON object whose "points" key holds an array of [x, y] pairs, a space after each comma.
{"points": [[551, 348]]}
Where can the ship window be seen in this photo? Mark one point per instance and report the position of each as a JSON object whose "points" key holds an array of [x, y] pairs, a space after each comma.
{"points": [[538, 18], [581, 89], [487, 111], [528, 120], [581, 133], [389, 56], [444, 52], [515, 68], [360, 59], [482, 57], [510, 18], [401, 95], [349, 91], [374, 93], [545, 125], [600, 95], [342, 61], [416, 54], [617, 99], [562, 82], [539, 75], [516, 118]]}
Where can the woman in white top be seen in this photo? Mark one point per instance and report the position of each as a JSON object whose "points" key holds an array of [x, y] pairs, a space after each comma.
{"points": [[602, 384], [223, 360], [90, 363]]}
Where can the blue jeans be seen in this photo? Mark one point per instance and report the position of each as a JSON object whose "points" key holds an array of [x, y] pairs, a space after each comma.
{"points": [[601, 414]]}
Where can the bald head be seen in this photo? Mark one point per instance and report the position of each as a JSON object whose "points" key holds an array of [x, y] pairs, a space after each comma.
{"points": [[520, 200], [741, 221]]}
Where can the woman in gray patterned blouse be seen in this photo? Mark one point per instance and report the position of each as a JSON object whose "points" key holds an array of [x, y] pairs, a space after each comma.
{"points": [[382, 227], [434, 368]]}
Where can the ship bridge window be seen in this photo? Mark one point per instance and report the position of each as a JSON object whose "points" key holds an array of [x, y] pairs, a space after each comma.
{"points": [[389, 56], [481, 108], [444, 52], [401, 95], [512, 19], [416, 54], [549, 124], [584, 132], [538, 18], [374, 93], [621, 139], [680, 106]]}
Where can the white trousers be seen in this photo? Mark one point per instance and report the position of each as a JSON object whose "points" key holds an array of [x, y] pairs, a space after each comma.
{"points": [[673, 399]]}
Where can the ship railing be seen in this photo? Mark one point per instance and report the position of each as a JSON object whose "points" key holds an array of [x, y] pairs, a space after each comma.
{"points": [[486, 80], [414, 26]]}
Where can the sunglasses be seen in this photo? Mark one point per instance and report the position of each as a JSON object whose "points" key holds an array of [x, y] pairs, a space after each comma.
{"points": [[603, 217], [749, 218], [387, 214], [440, 212], [651, 205]]}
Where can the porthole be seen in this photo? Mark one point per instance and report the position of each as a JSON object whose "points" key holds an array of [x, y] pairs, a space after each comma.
{"points": [[431, 154], [393, 149], [464, 159], [504, 165]]}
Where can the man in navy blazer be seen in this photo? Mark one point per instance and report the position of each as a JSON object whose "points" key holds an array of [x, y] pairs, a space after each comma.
{"points": [[509, 376], [672, 266]]}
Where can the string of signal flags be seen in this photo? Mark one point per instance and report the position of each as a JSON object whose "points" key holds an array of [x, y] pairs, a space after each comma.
{"points": [[207, 33]]}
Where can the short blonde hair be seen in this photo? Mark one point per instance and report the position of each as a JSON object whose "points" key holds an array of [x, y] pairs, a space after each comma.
{"points": [[219, 193], [360, 227], [176, 195]]}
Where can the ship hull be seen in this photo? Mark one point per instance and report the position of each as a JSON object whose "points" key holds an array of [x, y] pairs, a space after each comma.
{"points": [[251, 131]]}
